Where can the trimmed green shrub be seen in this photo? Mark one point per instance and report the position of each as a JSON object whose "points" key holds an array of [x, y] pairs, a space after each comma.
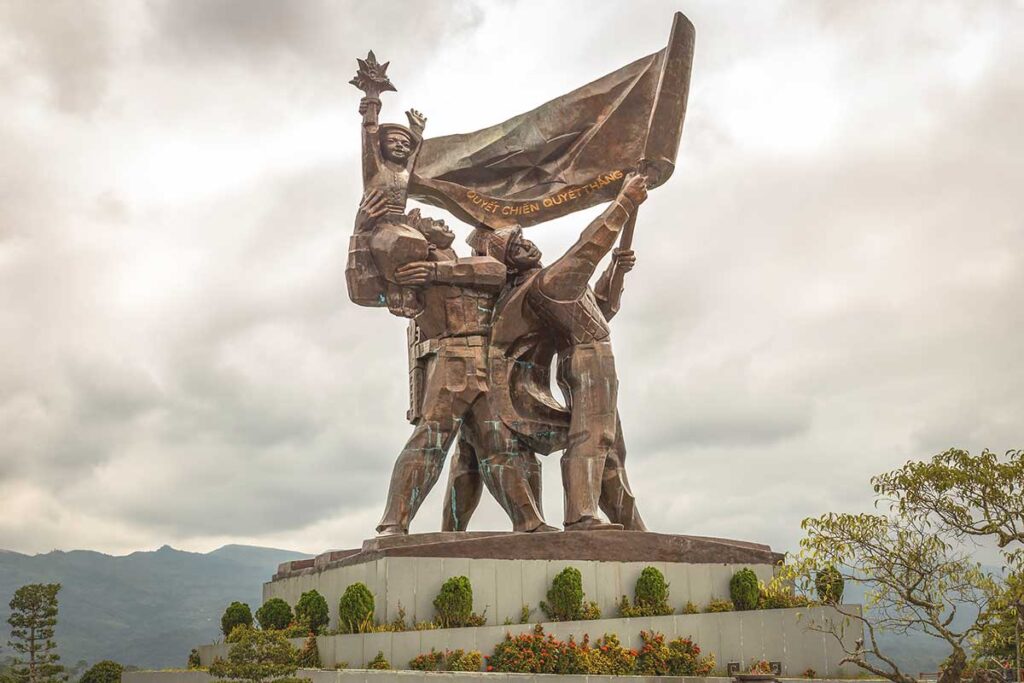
{"points": [[309, 655], [274, 615], [103, 672], [718, 605], [651, 591], [449, 660], [237, 614], [458, 660], [312, 612], [429, 661], [355, 609], [379, 662], [193, 659], [537, 652], [829, 584], [565, 597], [609, 658], [651, 594], [744, 589], [454, 604], [679, 657], [779, 595], [690, 608]]}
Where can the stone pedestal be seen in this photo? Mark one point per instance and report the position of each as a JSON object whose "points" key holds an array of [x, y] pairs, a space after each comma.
{"points": [[511, 570]]}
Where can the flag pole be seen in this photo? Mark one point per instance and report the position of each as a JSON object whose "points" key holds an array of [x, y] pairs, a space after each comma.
{"points": [[660, 149]]}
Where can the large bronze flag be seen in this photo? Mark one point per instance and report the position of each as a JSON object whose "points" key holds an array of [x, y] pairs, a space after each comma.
{"points": [[567, 154]]}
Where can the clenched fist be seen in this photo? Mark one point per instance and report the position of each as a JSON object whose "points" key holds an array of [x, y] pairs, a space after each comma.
{"points": [[624, 259], [634, 188]]}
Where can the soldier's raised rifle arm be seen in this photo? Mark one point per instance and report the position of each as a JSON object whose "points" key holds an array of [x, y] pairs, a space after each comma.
{"points": [[568, 278]]}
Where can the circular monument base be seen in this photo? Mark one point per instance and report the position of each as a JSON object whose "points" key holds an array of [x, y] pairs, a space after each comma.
{"points": [[599, 546]]}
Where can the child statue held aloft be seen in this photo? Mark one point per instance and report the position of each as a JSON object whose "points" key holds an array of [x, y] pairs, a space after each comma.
{"points": [[384, 240]]}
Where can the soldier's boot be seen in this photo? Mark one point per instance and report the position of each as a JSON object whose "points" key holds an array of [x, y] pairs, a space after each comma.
{"points": [[593, 524]]}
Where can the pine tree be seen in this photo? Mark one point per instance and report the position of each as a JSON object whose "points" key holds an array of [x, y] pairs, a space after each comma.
{"points": [[33, 618]]}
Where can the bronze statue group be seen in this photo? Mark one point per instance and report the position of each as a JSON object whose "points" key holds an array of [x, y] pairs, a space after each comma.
{"points": [[483, 332], [486, 330]]}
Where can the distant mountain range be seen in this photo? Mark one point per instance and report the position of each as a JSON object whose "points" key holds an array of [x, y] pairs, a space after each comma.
{"points": [[149, 609]]}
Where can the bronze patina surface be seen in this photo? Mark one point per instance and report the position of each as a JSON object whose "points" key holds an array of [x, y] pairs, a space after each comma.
{"points": [[485, 330]]}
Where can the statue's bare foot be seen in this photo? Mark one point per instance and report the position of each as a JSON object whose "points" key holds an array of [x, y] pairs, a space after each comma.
{"points": [[391, 531], [593, 524], [543, 528]]}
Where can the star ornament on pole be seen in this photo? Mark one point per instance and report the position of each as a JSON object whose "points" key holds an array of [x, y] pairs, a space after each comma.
{"points": [[372, 77]]}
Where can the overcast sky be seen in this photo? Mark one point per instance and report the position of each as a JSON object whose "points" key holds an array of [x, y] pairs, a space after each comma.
{"points": [[830, 284]]}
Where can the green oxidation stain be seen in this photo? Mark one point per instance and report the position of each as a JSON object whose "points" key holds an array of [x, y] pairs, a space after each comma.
{"points": [[415, 496], [381, 299], [455, 516], [525, 363]]}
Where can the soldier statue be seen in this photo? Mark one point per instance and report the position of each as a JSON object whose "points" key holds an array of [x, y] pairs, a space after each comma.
{"points": [[558, 301], [450, 301]]}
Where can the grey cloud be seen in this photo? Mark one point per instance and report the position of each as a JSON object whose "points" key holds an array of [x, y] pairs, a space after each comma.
{"points": [[321, 35], [68, 42], [180, 364]]}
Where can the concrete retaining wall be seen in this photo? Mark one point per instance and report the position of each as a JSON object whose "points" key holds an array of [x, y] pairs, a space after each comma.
{"points": [[776, 635], [351, 676], [501, 587]]}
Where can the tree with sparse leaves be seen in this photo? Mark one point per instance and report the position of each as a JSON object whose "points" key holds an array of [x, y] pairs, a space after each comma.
{"points": [[33, 619], [999, 640], [970, 495], [914, 579]]}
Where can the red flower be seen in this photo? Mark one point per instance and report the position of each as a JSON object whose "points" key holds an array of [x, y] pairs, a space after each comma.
{"points": [[490, 668]]}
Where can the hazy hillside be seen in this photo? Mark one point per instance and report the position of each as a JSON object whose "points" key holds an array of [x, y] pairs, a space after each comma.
{"points": [[147, 608], [917, 652]]}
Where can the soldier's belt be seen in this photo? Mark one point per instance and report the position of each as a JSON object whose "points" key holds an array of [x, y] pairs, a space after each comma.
{"points": [[427, 347], [472, 340], [430, 347]]}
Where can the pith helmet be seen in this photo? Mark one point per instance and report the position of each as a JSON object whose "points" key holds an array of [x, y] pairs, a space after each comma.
{"points": [[385, 128], [494, 243]]}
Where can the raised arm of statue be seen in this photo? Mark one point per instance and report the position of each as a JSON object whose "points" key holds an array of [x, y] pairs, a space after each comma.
{"points": [[372, 78], [476, 272], [608, 290], [369, 107], [568, 278]]}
